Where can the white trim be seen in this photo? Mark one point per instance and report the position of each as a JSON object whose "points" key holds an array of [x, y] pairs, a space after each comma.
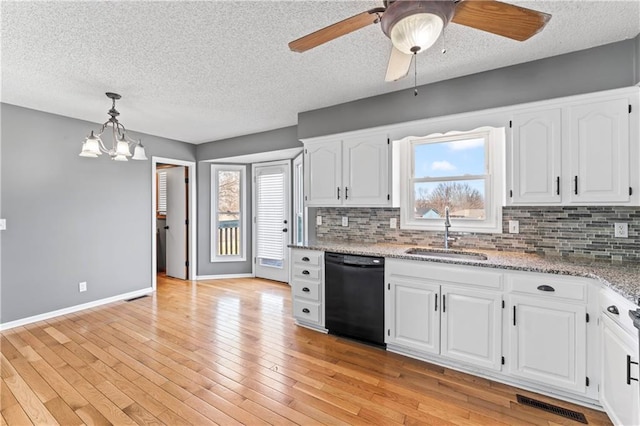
{"points": [[242, 257], [495, 141], [193, 258], [288, 208], [72, 309], [223, 276]]}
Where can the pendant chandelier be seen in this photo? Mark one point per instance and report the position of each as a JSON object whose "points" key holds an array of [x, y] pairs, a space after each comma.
{"points": [[121, 144]]}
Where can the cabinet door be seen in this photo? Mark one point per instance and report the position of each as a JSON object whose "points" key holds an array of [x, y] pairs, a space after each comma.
{"points": [[600, 152], [323, 171], [548, 342], [621, 400], [536, 157], [471, 326], [412, 315], [365, 173]]}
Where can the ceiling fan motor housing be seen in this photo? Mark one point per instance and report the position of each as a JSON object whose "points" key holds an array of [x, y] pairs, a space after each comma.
{"points": [[401, 9]]}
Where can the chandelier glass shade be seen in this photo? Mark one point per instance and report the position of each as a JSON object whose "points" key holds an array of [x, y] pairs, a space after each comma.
{"points": [[121, 144]]}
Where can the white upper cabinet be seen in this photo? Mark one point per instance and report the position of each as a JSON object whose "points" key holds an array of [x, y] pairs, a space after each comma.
{"points": [[350, 171], [537, 157], [577, 151], [599, 154], [323, 174]]}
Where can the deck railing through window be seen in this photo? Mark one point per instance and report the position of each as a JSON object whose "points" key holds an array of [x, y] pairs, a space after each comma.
{"points": [[228, 238]]}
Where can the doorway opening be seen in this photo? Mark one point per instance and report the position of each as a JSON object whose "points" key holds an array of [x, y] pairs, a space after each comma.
{"points": [[173, 219]]}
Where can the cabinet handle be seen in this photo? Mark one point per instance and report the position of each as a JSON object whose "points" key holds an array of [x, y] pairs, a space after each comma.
{"points": [[305, 259], [514, 315], [305, 272], [306, 311], [546, 288], [338, 193], [629, 362], [346, 192], [444, 303], [558, 185], [305, 289], [575, 185], [613, 309], [436, 299]]}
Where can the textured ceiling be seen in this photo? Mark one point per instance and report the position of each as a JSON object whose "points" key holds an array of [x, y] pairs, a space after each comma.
{"points": [[209, 70]]}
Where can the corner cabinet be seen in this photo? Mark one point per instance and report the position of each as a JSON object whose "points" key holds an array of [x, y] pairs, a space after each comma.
{"points": [[578, 150], [619, 390], [348, 171]]}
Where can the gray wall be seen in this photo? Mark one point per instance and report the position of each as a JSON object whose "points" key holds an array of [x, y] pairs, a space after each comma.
{"points": [[637, 40], [273, 140], [71, 219], [600, 68]]}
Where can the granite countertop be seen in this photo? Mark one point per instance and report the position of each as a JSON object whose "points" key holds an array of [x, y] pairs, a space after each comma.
{"points": [[624, 278]]}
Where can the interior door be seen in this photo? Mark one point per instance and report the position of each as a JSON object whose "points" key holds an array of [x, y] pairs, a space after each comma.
{"points": [[176, 223], [271, 193]]}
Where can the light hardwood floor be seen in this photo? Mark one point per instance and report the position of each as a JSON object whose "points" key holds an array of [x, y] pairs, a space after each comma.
{"points": [[228, 352]]}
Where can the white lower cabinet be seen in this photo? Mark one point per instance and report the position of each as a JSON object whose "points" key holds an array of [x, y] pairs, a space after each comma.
{"points": [[471, 326], [307, 287], [412, 315], [433, 316], [548, 342], [619, 390]]}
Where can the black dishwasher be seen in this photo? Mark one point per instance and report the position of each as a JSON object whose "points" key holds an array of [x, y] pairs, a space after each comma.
{"points": [[354, 297]]}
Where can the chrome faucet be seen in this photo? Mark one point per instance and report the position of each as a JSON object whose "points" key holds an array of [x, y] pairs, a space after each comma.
{"points": [[447, 225]]}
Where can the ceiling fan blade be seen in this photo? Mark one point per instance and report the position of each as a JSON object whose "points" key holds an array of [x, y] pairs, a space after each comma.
{"points": [[336, 30], [399, 64], [507, 20]]}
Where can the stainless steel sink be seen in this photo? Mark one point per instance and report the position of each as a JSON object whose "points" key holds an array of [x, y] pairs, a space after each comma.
{"points": [[446, 254]]}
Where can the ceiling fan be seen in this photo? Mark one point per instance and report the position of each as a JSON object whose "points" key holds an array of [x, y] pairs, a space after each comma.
{"points": [[414, 25]]}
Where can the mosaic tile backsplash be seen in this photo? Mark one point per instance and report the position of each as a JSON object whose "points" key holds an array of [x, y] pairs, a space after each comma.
{"points": [[585, 232]]}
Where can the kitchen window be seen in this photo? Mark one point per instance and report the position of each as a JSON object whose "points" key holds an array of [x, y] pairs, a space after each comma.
{"points": [[228, 207], [463, 171]]}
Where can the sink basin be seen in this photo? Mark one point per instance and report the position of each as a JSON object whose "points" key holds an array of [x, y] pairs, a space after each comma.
{"points": [[446, 254]]}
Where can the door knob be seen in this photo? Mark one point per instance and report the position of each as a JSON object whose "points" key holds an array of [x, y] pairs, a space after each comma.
{"points": [[166, 227]]}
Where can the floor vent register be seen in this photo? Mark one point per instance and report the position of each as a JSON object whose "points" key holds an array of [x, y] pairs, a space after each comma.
{"points": [[569, 414]]}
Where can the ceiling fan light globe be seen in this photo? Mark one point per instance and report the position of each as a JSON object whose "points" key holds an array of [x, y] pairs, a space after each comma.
{"points": [[416, 33]]}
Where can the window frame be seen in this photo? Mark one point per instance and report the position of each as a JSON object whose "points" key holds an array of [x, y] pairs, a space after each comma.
{"points": [[242, 256], [495, 138]]}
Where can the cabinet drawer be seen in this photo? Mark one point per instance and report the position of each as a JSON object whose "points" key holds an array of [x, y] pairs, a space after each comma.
{"points": [[611, 302], [306, 290], [307, 257], [548, 285], [311, 273], [306, 311]]}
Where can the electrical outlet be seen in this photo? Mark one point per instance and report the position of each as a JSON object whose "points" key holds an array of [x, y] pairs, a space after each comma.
{"points": [[345, 221], [318, 220], [82, 286], [621, 230], [514, 227], [3, 224], [393, 223]]}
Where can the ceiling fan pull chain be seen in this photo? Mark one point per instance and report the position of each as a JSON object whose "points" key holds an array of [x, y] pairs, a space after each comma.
{"points": [[415, 74], [444, 47]]}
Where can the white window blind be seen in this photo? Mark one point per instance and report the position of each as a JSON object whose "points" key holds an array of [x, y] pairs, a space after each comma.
{"points": [[162, 193], [270, 216]]}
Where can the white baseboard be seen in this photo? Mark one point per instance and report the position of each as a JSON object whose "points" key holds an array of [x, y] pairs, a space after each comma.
{"points": [[223, 277], [72, 309]]}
